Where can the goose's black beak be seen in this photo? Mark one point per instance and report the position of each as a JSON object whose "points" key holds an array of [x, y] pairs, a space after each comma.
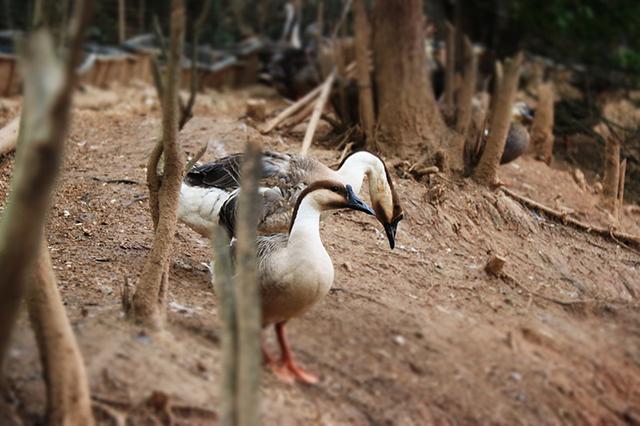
{"points": [[390, 229], [355, 203]]}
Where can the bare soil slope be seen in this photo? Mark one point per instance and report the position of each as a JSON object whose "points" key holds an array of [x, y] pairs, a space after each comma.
{"points": [[418, 335]]}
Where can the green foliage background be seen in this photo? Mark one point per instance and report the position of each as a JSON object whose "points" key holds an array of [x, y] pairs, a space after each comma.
{"points": [[601, 34]]}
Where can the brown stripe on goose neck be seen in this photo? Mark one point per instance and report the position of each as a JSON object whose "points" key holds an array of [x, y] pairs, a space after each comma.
{"points": [[321, 184]]}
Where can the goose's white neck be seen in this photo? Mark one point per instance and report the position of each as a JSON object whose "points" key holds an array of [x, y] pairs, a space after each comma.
{"points": [[357, 166], [306, 224]]}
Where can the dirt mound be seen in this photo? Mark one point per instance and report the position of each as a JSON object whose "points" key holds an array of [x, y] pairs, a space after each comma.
{"points": [[417, 335]]}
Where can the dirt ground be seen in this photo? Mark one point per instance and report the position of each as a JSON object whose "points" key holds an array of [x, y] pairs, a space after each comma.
{"points": [[415, 336]]}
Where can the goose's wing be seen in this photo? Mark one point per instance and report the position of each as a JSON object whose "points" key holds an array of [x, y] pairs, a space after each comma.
{"points": [[272, 202], [224, 173]]}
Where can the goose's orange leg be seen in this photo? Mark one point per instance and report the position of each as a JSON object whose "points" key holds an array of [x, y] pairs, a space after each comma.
{"points": [[280, 371], [287, 358]]}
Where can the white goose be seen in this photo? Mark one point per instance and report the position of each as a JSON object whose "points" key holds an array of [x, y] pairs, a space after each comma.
{"points": [[209, 192], [294, 269]]}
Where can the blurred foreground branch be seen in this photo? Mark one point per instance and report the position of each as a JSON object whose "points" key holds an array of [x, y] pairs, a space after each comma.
{"points": [[239, 304], [48, 89]]}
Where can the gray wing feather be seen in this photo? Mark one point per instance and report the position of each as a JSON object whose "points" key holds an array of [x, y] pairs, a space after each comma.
{"points": [[284, 175]]}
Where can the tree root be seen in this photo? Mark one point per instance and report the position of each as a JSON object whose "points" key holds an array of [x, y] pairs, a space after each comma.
{"points": [[628, 241], [116, 417], [565, 303], [157, 407]]}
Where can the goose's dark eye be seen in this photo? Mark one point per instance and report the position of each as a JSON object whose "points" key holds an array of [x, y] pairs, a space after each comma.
{"points": [[334, 188]]}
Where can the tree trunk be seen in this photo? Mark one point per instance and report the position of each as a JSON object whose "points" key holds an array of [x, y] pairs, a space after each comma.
{"points": [[610, 179], [237, 10], [142, 13], [409, 119], [542, 128], [464, 101], [6, 8], [450, 69], [149, 300], [122, 22], [486, 172], [68, 397], [620, 201], [44, 125], [365, 92]]}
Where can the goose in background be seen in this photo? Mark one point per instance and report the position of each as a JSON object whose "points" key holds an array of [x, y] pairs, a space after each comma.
{"points": [[209, 192], [295, 270], [516, 144], [518, 136]]}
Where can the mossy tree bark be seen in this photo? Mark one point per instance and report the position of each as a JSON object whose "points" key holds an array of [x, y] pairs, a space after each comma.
{"points": [[149, 301], [408, 117]]}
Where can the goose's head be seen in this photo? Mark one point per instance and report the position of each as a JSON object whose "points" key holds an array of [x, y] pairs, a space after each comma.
{"points": [[330, 195], [522, 113], [385, 203], [384, 200]]}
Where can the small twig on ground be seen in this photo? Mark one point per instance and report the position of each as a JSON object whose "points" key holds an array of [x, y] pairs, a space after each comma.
{"points": [[109, 180]]}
